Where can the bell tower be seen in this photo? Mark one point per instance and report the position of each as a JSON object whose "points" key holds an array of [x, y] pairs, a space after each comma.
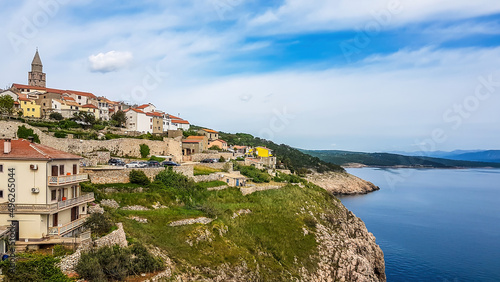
{"points": [[36, 77]]}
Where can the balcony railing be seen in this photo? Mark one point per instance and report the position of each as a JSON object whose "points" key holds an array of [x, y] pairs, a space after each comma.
{"points": [[67, 179], [61, 230], [49, 208]]}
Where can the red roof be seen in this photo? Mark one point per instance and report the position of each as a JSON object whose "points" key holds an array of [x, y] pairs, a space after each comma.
{"points": [[210, 130], [89, 106], [135, 110], [195, 137], [156, 114], [24, 149], [143, 106], [52, 90], [180, 121], [68, 98]]}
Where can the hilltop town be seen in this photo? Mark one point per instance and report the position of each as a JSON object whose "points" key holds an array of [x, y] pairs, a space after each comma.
{"points": [[86, 174]]}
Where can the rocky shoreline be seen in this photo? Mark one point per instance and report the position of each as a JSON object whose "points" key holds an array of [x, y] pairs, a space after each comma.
{"points": [[342, 183]]}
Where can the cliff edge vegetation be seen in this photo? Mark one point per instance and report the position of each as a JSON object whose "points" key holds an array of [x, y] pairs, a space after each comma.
{"points": [[297, 232]]}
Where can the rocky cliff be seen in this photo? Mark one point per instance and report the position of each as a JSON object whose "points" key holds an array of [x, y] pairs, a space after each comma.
{"points": [[295, 233], [342, 183]]}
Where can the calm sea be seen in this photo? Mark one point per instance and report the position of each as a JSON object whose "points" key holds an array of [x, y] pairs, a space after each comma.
{"points": [[433, 224]]}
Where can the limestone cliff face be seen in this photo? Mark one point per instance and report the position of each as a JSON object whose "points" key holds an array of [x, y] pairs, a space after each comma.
{"points": [[347, 251], [342, 183]]}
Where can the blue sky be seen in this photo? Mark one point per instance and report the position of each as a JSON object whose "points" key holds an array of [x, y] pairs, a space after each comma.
{"points": [[364, 75]]}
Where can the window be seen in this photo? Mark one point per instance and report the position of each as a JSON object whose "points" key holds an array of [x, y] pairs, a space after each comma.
{"points": [[28, 109], [79, 97], [53, 195], [33, 109], [1, 168], [83, 209], [75, 169], [61, 170], [1, 193], [25, 103], [44, 104]]}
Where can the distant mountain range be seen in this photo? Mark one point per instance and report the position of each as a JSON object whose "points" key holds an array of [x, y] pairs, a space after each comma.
{"points": [[392, 160], [492, 156]]}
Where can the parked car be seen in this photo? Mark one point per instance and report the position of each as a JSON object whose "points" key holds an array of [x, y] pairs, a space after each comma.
{"points": [[153, 164], [169, 163], [116, 162], [143, 164], [209, 161], [133, 164]]}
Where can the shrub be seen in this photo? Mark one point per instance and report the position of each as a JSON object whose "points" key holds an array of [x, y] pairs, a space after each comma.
{"points": [[107, 263], [144, 261], [60, 134], [181, 187], [98, 127], [23, 132], [115, 263], [56, 116], [155, 158], [222, 159], [60, 250], [257, 175], [100, 224], [144, 149], [36, 268], [67, 124], [138, 177]]}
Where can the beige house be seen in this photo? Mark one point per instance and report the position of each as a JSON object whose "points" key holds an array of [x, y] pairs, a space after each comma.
{"points": [[156, 122], [194, 145], [219, 143], [234, 179], [43, 185], [212, 135]]}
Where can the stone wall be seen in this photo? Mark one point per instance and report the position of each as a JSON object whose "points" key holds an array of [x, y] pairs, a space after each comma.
{"points": [[118, 147], [214, 155], [220, 166], [120, 175], [116, 237]]}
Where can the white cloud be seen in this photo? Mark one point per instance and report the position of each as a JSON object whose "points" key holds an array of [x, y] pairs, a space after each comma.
{"points": [[110, 61], [297, 16]]}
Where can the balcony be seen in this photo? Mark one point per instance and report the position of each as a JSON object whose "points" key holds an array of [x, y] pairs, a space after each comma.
{"points": [[67, 179], [68, 227], [49, 208]]}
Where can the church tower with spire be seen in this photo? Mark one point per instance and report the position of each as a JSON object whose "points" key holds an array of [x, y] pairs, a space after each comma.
{"points": [[36, 77]]}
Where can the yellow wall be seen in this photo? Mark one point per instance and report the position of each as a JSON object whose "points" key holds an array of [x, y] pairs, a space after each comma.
{"points": [[263, 152], [94, 111], [30, 109]]}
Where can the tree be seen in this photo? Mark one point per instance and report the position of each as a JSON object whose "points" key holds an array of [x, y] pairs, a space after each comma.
{"points": [[24, 132], [138, 177], [85, 117], [56, 116], [6, 104], [119, 118], [144, 150]]}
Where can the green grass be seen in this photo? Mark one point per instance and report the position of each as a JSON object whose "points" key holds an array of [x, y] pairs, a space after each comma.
{"points": [[271, 236], [204, 170]]}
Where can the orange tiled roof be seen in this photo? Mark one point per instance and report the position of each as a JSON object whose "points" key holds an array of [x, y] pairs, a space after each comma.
{"points": [[143, 106], [156, 114], [195, 138], [24, 149], [210, 130], [89, 106], [68, 98], [53, 90], [180, 121]]}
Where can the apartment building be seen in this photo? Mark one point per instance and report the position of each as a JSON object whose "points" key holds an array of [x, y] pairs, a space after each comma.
{"points": [[43, 185]]}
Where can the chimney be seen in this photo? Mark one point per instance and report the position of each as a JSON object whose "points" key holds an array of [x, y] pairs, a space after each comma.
{"points": [[7, 146]]}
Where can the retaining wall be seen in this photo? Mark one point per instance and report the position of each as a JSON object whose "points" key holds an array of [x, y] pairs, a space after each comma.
{"points": [[118, 147]]}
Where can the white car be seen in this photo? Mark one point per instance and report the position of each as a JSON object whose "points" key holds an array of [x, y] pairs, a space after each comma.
{"points": [[133, 164]]}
